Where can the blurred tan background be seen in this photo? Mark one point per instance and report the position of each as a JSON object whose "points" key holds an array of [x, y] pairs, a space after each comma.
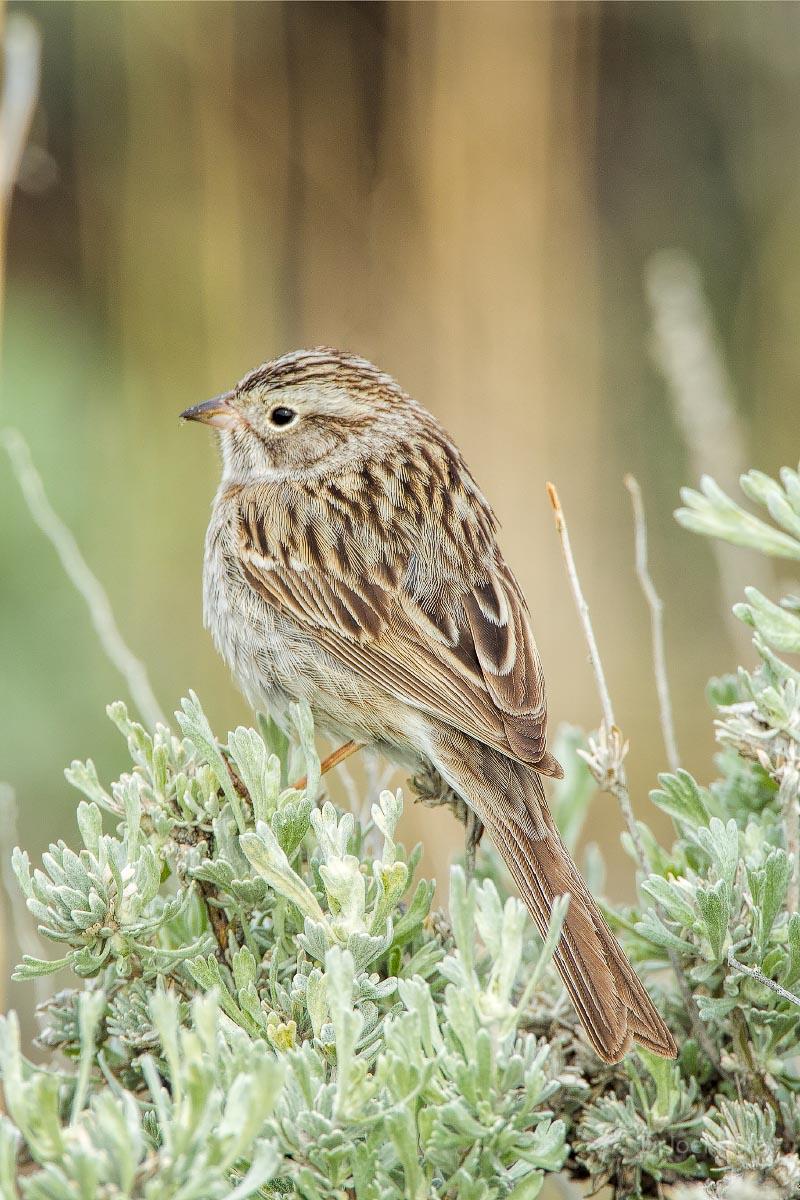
{"points": [[469, 194]]}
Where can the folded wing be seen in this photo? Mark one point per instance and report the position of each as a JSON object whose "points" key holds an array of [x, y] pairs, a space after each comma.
{"points": [[461, 651]]}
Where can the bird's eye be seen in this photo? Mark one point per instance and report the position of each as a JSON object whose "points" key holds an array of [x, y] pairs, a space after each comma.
{"points": [[281, 416]]}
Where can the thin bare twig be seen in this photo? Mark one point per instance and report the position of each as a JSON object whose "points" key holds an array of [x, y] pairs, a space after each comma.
{"points": [[656, 607], [79, 573], [609, 753], [582, 607], [615, 779], [754, 973]]}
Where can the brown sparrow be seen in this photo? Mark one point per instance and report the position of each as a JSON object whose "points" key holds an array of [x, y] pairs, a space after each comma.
{"points": [[352, 562]]}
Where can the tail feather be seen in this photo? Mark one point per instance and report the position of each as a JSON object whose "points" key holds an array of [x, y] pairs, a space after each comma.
{"points": [[612, 1003]]}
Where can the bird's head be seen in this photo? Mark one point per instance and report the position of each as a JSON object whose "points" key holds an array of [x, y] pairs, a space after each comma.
{"points": [[306, 411]]}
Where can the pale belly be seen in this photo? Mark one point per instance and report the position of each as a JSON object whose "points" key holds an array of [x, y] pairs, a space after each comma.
{"points": [[275, 663]]}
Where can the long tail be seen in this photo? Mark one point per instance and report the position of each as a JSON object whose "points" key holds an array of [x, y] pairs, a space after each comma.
{"points": [[610, 999]]}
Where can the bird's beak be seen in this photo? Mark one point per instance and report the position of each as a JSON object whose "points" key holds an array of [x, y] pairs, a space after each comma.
{"points": [[218, 411]]}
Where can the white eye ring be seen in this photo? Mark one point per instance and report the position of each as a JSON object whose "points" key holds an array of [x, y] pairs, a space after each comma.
{"points": [[282, 416]]}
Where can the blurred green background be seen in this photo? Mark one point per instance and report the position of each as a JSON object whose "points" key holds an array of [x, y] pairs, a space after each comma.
{"points": [[469, 194]]}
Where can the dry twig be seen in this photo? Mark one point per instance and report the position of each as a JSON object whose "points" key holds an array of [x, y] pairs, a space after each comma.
{"points": [[656, 607], [763, 979], [614, 778], [79, 573]]}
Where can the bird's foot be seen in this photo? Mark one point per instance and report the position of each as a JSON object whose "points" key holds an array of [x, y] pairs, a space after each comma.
{"points": [[433, 791]]}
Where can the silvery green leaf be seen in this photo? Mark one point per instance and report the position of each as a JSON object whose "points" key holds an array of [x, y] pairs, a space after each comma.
{"points": [[549, 1148], [721, 844], [527, 1188], [83, 776], [777, 626], [416, 996], [91, 1007], [333, 831], [291, 822], [160, 769], [316, 939], [346, 890], [21, 866], [490, 917], [386, 815], [76, 873], [132, 798], [653, 929], [216, 871], [31, 1097], [88, 961], [391, 882], [249, 892], [461, 1019], [401, 1129], [227, 843], [714, 905], [347, 1021], [140, 743], [495, 1000], [411, 920], [303, 723], [681, 797], [366, 949], [205, 970], [36, 968], [316, 1000], [147, 877], [672, 897], [713, 1009], [250, 1005], [462, 912], [250, 1099], [713, 513], [793, 966], [791, 483], [10, 1140], [245, 968], [265, 1164], [268, 859], [83, 919], [90, 824], [259, 770], [763, 490], [778, 870], [194, 724], [275, 740]]}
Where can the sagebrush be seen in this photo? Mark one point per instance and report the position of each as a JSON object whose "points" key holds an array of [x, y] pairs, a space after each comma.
{"points": [[269, 1005]]}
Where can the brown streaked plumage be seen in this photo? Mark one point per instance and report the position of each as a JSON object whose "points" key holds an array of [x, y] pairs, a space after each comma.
{"points": [[352, 561]]}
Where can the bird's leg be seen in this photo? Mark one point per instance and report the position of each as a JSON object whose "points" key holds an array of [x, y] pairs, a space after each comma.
{"points": [[333, 760], [473, 832], [433, 791]]}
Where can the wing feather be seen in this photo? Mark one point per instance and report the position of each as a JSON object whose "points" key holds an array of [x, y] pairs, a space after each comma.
{"points": [[462, 652]]}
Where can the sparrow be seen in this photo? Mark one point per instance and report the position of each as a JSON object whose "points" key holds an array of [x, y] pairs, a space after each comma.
{"points": [[352, 562]]}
